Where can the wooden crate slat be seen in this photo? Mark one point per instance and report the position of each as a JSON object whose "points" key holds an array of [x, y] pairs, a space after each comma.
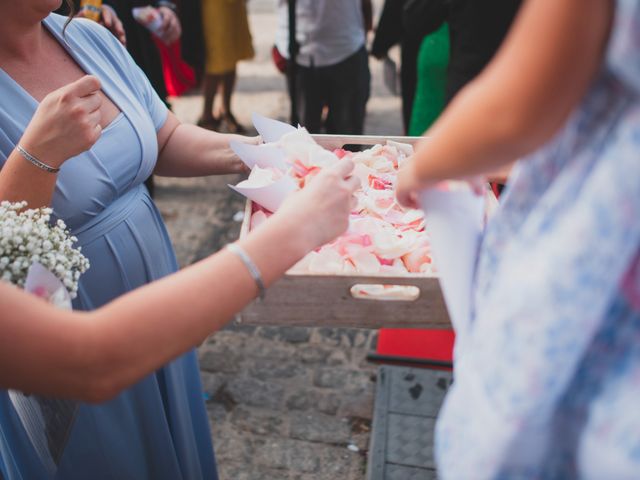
{"points": [[326, 300]]}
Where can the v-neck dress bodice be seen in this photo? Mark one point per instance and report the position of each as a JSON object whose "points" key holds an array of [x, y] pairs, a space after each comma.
{"points": [[157, 429]]}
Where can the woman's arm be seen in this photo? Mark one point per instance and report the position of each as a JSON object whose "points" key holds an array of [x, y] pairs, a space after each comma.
{"points": [[190, 151], [92, 356], [525, 95]]}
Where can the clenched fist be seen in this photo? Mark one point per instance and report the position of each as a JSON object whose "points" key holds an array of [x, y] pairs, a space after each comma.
{"points": [[66, 123]]}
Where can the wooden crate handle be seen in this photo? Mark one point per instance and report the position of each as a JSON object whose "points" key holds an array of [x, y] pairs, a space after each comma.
{"points": [[333, 142], [411, 292]]}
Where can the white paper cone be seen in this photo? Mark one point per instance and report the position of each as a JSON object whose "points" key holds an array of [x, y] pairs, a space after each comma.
{"points": [[39, 277], [271, 130], [270, 196], [455, 222], [264, 156]]}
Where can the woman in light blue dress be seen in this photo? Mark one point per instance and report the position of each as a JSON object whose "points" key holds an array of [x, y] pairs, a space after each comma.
{"points": [[157, 429], [547, 370]]}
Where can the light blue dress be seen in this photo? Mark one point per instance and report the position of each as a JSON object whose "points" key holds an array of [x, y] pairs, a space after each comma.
{"points": [[547, 374], [157, 429]]}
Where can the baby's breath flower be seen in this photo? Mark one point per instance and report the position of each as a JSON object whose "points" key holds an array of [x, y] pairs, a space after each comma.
{"points": [[28, 236]]}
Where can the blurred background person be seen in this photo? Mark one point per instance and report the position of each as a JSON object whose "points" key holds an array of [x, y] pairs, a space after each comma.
{"points": [[547, 364], [459, 35], [137, 38], [332, 65], [433, 52], [425, 21], [228, 40], [476, 30]]}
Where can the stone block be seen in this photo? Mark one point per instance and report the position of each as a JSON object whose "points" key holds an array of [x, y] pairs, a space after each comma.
{"points": [[219, 360], [211, 382], [317, 427], [249, 391], [338, 357], [265, 369], [313, 354], [286, 334], [339, 378], [258, 422], [328, 403], [295, 334], [358, 405], [286, 454]]}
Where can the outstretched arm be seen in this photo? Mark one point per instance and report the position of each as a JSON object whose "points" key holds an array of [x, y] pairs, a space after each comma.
{"points": [[521, 100], [92, 356]]}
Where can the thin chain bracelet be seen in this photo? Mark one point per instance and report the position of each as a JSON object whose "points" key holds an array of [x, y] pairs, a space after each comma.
{"points": [[34, 161]]}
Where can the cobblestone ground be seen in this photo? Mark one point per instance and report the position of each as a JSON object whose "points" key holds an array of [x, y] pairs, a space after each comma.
{"points": [[284, 403]]}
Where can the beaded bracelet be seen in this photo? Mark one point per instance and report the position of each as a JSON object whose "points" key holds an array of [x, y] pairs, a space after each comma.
{"points": [[34, 161], [252, 267]]}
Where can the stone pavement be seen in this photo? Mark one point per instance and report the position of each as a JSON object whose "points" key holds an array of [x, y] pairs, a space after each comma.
{"points": [[284, 403]]}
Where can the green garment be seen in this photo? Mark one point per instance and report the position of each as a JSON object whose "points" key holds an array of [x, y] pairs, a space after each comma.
{"points": [[433, 60]]}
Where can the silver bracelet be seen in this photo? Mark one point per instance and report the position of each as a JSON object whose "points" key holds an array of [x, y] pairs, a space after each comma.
{"points": [[252, 267], [34, 161]]}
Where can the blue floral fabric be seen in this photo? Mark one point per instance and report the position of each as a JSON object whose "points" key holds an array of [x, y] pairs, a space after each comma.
{"points": [[547, 373]]}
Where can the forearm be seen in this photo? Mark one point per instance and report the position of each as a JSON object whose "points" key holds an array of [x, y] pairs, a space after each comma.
{"points": [[92, 356], [22, 181], [192, 151], [166, 319], [524, 96]]}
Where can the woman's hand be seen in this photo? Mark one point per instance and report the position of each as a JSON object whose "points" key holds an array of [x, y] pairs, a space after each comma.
{"points": [[320, 212], [66, 123], [171, 30], [111, 21], [408, 186], [234, 163]]}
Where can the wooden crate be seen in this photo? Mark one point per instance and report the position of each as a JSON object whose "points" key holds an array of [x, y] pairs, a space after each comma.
{"points": [[326, 300]]}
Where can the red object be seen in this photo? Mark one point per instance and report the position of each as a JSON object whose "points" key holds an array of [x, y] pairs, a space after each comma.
{"points": [[179, 77], [419, 347], [412, 345], [278, 60]]}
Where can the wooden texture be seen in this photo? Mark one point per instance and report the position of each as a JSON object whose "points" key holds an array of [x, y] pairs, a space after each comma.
{"points": [[331, 142], [326, 300]]}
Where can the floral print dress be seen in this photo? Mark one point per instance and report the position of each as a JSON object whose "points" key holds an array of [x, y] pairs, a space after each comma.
{"points": [[547, 372]]}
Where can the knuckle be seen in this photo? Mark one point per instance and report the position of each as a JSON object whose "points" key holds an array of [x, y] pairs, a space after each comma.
{"points": [[77, 112], [65, 96], [93, 82]]}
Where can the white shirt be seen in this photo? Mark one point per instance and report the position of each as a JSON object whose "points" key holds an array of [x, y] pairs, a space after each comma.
{"points": [[328, 31]]}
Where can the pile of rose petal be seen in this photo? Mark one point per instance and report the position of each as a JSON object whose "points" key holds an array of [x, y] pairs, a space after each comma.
{"points": [[383, 237]]}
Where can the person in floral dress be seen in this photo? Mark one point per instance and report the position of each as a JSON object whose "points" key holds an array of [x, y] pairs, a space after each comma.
{"points": [[547, 370]]}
